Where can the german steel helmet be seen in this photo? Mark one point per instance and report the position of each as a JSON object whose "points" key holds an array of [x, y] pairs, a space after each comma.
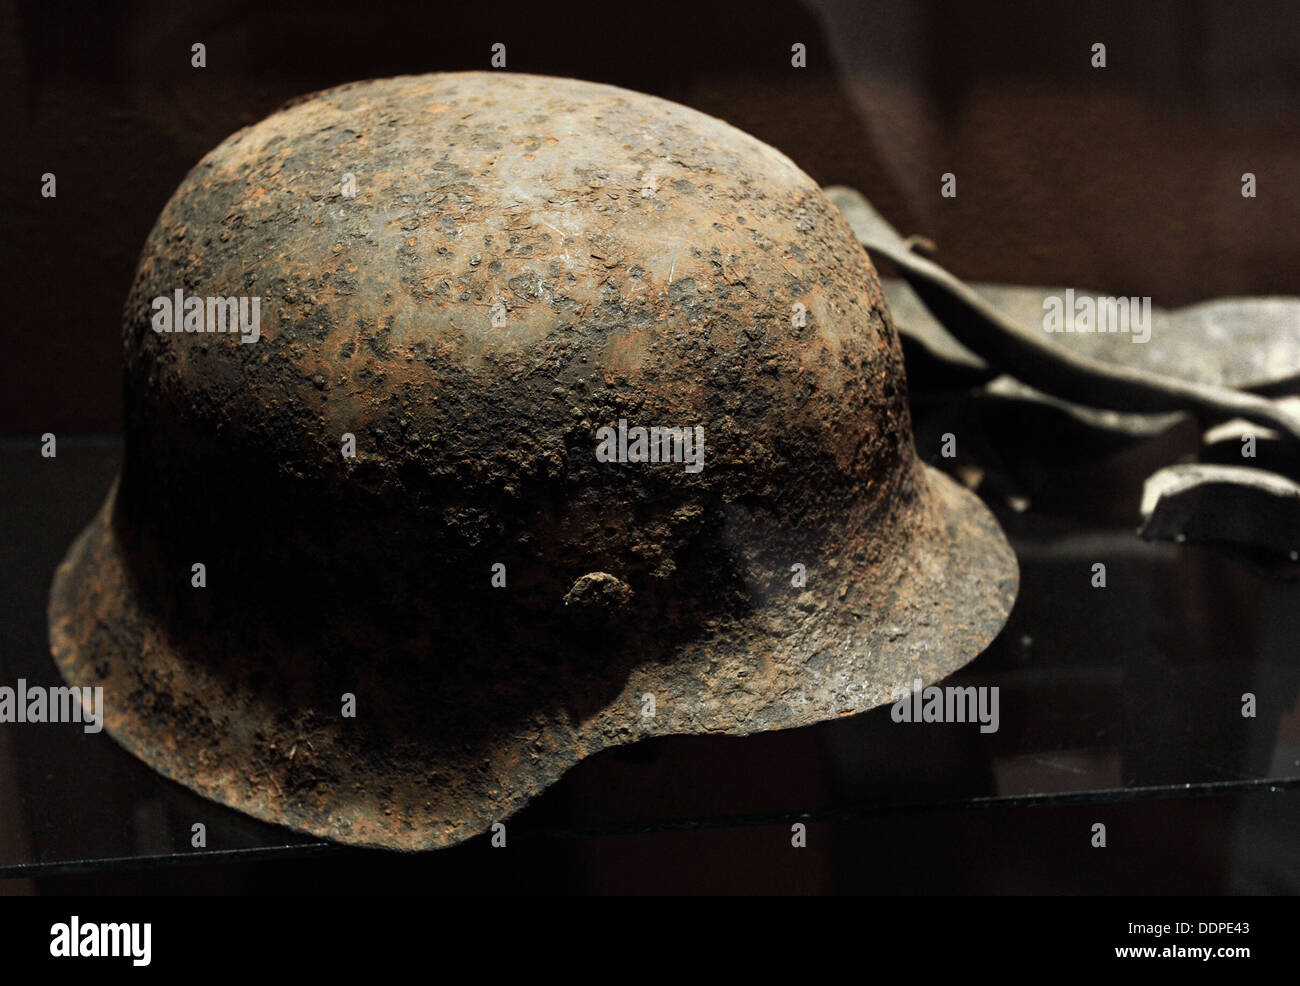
{"points": [[478, 422]]}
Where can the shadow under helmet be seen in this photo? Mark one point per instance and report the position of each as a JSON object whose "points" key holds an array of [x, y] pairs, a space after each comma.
{"points": [[387, 560]]}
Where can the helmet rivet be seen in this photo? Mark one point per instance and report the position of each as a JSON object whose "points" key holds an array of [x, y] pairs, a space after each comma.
{"points": [[599, 592]]}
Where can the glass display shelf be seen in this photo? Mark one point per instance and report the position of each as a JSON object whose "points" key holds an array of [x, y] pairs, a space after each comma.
{"points": [[1106, 696]]}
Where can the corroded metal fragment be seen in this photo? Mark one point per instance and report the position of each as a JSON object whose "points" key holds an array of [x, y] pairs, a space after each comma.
{"points": [[1248, 343], [525, 261], [1248, 513], [1073, 372]]}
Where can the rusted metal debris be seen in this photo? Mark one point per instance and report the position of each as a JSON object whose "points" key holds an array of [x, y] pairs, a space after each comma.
{"points": [[525, 260], [1217, 360], [1247, 343], [1251, 514], [1062, 372]]}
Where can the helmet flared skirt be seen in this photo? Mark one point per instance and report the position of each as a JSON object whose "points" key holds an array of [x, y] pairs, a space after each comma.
{"points": [[431, 757]]}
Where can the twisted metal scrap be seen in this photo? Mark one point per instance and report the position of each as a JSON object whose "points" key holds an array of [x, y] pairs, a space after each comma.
{"points": [[1251, 513], [991, 335]]}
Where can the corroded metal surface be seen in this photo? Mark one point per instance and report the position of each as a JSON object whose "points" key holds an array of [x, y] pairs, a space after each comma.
{"points": [[1248, 513], [1247, 343], [525, 261], [1067, 372]]}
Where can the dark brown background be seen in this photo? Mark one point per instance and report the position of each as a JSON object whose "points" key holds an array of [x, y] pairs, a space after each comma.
{"points": [[1125, 179]]}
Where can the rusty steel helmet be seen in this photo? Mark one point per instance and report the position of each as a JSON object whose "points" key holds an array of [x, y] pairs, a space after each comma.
{"points": [[557, 416]]}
